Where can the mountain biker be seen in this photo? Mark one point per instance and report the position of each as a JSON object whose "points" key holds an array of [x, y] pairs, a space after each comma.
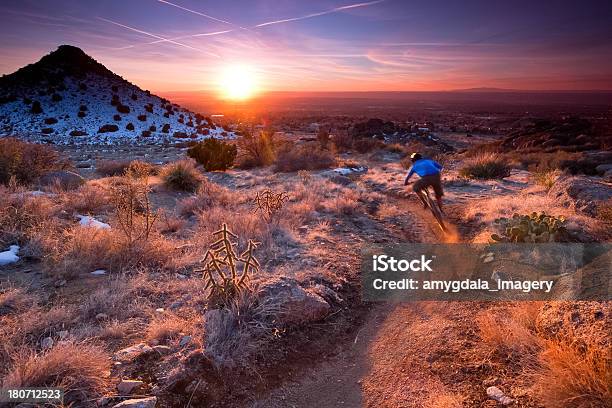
{"points": [[429, 173]]}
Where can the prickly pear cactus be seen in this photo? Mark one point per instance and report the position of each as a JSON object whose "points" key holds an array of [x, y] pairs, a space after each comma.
{"points": [[532, 228]]}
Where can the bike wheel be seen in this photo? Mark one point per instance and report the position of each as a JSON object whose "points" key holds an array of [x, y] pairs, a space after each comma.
{"points": [[435, 210]]}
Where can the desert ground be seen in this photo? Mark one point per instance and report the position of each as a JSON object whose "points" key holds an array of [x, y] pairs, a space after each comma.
{"points": [[109, 297]]}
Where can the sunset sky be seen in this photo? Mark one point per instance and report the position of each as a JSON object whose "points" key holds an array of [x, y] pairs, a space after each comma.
{"points": [[327, 45]]}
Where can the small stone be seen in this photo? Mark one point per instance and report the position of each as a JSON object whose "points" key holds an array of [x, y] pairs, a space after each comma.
{"points": [[149, 402], [46, 343], [62, 334], [498, 395], [176, 305], [126, 387], [60, 283], [184, 341], [101, 316], [180, 276], [489, 259], [160, 310], [99, 272]]}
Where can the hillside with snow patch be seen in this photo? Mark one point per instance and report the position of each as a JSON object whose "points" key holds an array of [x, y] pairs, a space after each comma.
{"points": [[69, 98]]}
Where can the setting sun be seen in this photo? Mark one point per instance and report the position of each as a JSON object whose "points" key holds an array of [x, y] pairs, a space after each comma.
{"points": [[238, 82]]}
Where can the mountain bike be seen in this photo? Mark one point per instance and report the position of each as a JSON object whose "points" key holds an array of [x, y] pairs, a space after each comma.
{"points": [[433, 207]]}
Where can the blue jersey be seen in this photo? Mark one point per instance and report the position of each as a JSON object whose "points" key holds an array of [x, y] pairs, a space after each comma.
{"points": [[424, 167]]}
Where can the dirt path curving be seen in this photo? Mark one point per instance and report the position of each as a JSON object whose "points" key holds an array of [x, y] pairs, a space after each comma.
{"points": [[404, 355]]}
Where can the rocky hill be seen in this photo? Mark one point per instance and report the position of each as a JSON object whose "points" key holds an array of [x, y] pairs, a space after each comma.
{"points": [[68, 97]]}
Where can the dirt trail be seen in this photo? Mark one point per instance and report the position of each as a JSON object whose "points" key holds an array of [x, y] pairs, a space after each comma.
{"points": [[393, 359]]}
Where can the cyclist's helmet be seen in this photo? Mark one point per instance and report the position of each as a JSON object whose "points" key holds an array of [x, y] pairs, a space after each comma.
{"points": [[415, 156]]}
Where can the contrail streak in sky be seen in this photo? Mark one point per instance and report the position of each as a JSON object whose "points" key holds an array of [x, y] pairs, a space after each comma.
{"points": [[196, 12], [321, 13], [176, 38], [161, 39]]}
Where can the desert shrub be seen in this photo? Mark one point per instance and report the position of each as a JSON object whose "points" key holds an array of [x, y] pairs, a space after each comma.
{"points": [[56, 97], [366, 145], [111, 167], [117, 118], [21, 215], [108, 128], [269, 203], [26, 161], [83, 108], [152, 128], [209, 194], [50, 121], [180, 135], [139, 168], [129, 126], [115, 88], [294, 158], [181, 175], [343, 141], [323, 138], [134, 97], [213, 154], [133, 210], [123, 109], [47, 131], [77, 133], [166, 128], [80, 369], [546, 178], [145, 133], [142, 118], [604, 213], [485, 166], [256, 149], [81, 114], [36, 108]]}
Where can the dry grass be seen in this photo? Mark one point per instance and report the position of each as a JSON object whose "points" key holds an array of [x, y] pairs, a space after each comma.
{"points": [[80, 369], [569, 378], [546, 178], [209, 195], [181, 175], [485, 166], [168, 326]]}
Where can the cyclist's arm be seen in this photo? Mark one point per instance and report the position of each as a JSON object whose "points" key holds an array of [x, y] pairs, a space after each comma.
{"points": [[410, 173]]}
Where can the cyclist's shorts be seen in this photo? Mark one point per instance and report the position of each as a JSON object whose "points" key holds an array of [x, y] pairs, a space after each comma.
{"points": [[432, 180]]}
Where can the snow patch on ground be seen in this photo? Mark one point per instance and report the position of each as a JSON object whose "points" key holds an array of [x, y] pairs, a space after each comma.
{"points": [[10, 256], [87, 221], [345, 171]]}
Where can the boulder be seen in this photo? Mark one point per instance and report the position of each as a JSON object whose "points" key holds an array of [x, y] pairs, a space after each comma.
{"points": [[67, 180], [296, 304], [582, 193], [149, 402]]}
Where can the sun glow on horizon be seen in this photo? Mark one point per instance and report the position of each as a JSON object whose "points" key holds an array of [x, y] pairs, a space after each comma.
{"points": [[238, 82]]}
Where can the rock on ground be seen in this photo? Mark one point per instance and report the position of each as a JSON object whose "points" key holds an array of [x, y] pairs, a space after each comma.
{"points": [[68, 180], [126, 387], [133, 352], [582, 193], [149, 402], [296, 304]]}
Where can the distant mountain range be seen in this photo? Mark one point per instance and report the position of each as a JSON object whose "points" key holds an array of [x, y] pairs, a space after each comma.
{"points": [[68, 97]]}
